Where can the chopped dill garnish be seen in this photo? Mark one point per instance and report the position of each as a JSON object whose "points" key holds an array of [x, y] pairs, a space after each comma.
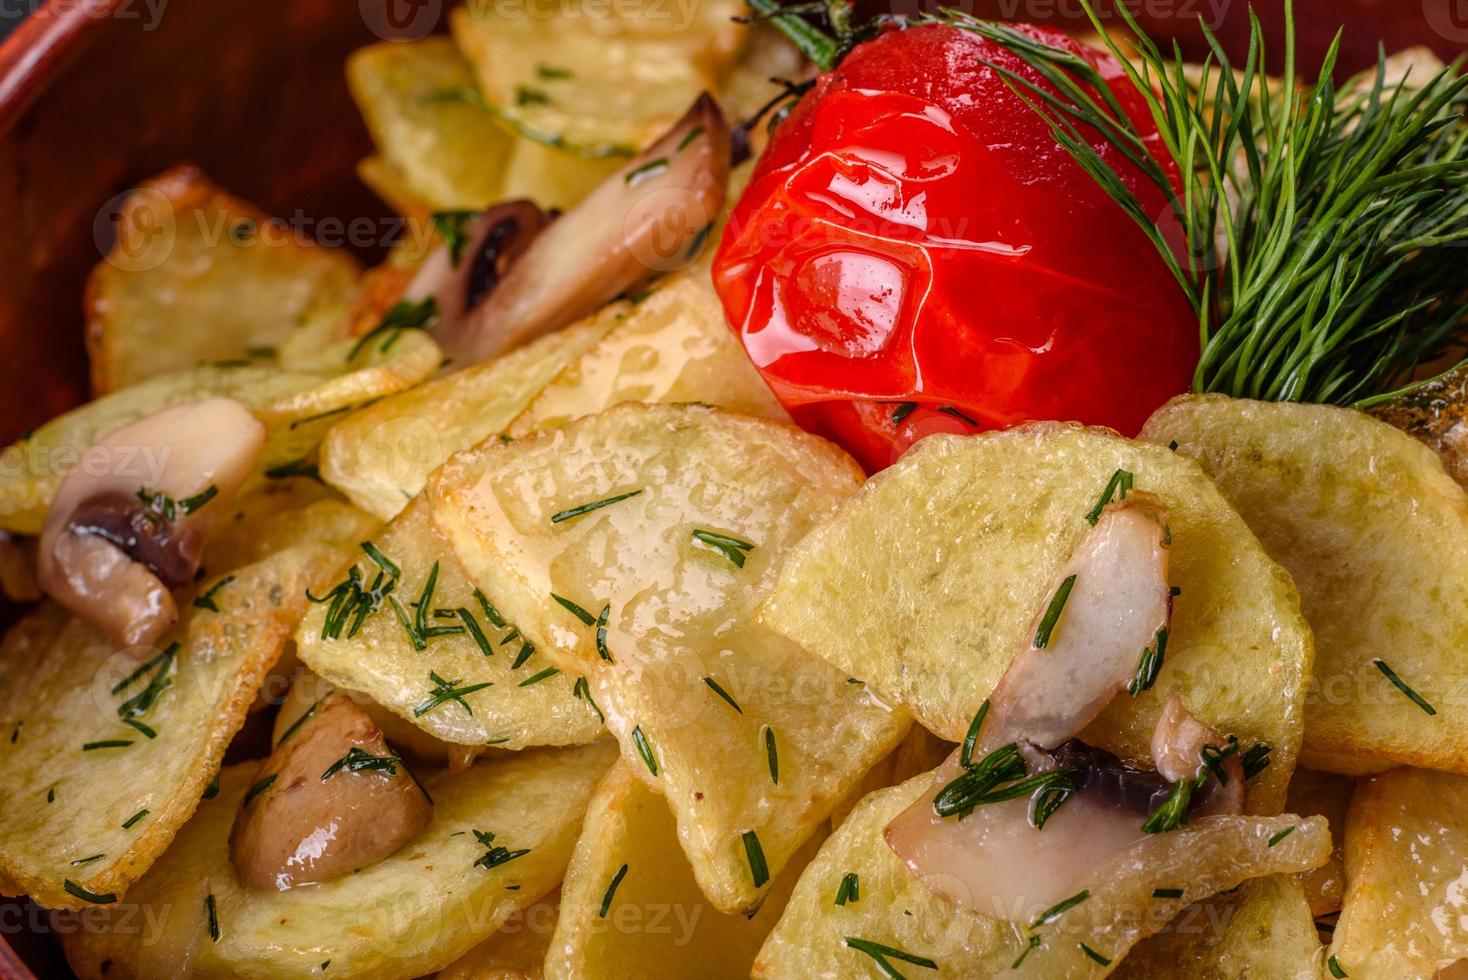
{"points": [[582, 690], [647, 170], [358, 759], [1335, 969], [259, 787], [490, 612], [1117, 488], [902, 411], [1030, 946], [1060, 908], [1094, 955], [445, 691], [971, 738], [644, 749], [476, 632], [452, 227], [298, 467], [1167, 893], [205, 600], [212, 790], [714, 686], [758, 870], [161, 668], [731, 548], [575, 512], [1173, 813], [1150, 665], [525, 95], [350, 600], [88, 860], [606, 899], [1401, 685], [850, 888], [1255, 759], [949, 410], [551, 73], [772, 755], [1281, 835], [497, 854], [72, 888], [130, 821], [537, 678], [106, 743], [1052, 613], [404, 315], [213, 914], [295, 726], [147, 730], [418, 630], [587, 619], [601, 634], [15, 732], [526, 649], [693, 134], [882, 955]]}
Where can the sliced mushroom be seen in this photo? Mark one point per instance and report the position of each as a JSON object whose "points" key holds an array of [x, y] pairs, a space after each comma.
{"points": [[331, 798], [1004, 857], [648, 217], [1117, 602], [1179, 743], [459, 280], [129, 524]]}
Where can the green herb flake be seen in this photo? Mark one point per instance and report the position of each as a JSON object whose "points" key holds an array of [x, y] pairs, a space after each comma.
{"points": [[1052, 613], [587, 619], [1401, 685], [1150, 665], [582, 690], [606, 899], [1281, 835], [147, 730], [849, 891], [755, 854], [259, 787], [601, 634], [687, 141], [527, 96], [882, 955], [731, 548], [107, 743], [295, 726], [404, 315], [72, 888], [719, 690], [206, 600], [300, 467], [1335, 969], [446, 691], [1060, 908], [952, 412], [358, 759], [88, 859], [644, 749], [134, 819], [453, 228], [902, 411], [212, 911], [648, 169], [1104, 961], [537, 678], [476, 632], [772, 755], [551, 73], [971, 737], [1030, 946], [496, 854], [575, 512], [1117, 488], [1167, 893]]}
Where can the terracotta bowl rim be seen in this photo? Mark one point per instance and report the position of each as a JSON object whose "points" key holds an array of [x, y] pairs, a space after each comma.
{"points": [[37, 51]]}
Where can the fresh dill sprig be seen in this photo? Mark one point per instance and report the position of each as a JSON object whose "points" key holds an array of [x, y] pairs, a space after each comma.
{"points": [[359, 759], [496, 854], [731, 548], [606, 899], [446, 691], [1323, 226], [849, 891], [882, 955], [759, 871], [575, 512]]}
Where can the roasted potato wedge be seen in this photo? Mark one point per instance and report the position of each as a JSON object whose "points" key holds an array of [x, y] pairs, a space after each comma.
{"points": [[380, 456], [1406, 848], [668, 347], [593, 80], [817, 937], [632, 547], [515, 704], [111, 749], [438, 147], [198, 276], [1263, 929], [516, 952], [654, 922], [406, 916], [935, 569], [1373, 532]]}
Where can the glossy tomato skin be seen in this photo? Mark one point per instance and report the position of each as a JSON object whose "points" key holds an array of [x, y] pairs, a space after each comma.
{"points": [[914, 233]]}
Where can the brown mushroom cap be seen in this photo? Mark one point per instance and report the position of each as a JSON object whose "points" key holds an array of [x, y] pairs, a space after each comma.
{"points": [[120, 535], [313, 815]]}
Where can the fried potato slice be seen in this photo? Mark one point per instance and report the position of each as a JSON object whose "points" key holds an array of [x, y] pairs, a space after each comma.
{"points": [[653, 922], [594, 80], [516, 952], [709, 707], [1406, 847], [438, 148], [919, 752], [197, 275], [91, 800], [553, 178], [296, 407], [1373, 531], [1262, 930], [670, 346], [934, 573], [406, 916], [1328, 795], [519, 705], [284, 513], [815, 936], [380, 456]]}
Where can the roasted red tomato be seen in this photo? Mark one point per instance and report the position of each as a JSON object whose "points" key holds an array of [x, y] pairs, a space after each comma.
{"points": [[915, 253]]}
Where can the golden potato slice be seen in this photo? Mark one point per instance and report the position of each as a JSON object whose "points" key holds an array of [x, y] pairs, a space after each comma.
{"points": [[630, 906], [1262, 930], [516, 952], [109, 749], [1406, 848], [667, 347], [296, 407], [551, 177], [633, 547], [380, 456], [1328, 795], [1373, 531], [817, 937], [936, 570], [919, 752], [197, 276], [515, 704], [437, 145], [406, 916], [280, 514], [596, 80]]}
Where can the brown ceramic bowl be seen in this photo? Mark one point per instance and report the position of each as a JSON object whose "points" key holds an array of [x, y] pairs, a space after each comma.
{"points": [[96, 95]]}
